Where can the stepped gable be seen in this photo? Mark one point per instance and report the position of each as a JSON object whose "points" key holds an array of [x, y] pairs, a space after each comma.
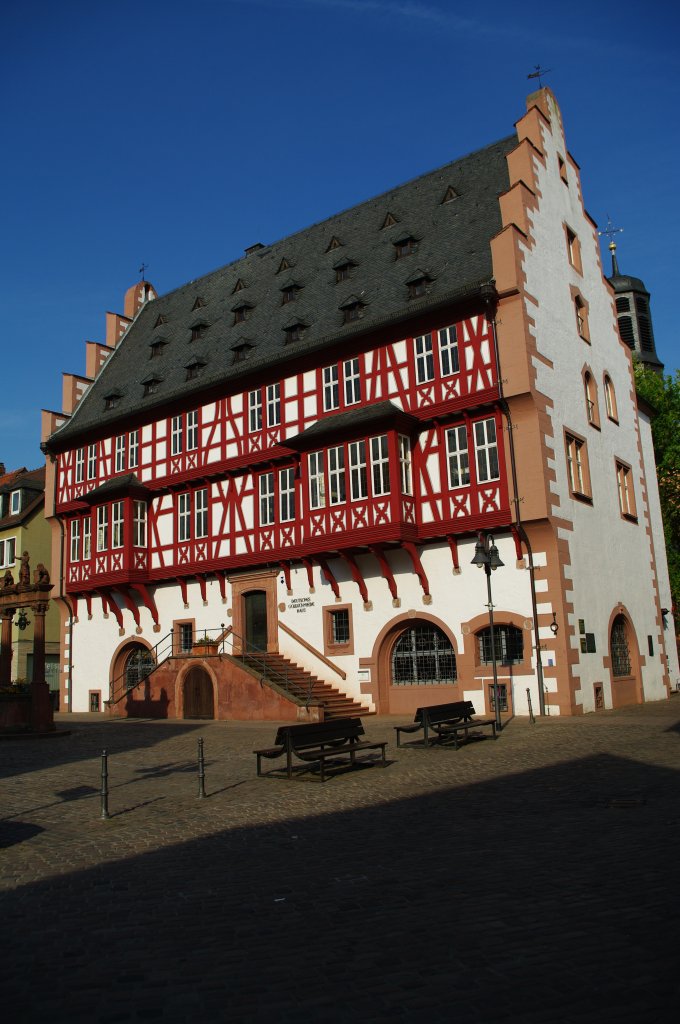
{"points": [[452, 239]]}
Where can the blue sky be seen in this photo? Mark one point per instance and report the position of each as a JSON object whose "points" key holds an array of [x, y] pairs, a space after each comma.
{"points": [[177, 134]]}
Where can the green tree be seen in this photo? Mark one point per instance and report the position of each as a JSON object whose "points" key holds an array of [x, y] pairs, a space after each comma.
{"points": [[663, 394]]}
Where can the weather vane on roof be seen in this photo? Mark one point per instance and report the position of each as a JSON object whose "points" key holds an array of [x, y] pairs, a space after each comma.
{"points": [[142, 269], [538, 72], [610, 231]]}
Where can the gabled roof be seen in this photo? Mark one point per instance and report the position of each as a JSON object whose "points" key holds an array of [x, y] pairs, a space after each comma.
{"points": [[453, 243]]}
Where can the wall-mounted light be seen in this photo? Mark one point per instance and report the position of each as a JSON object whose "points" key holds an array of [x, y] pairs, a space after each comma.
{"points": [[554, 628]]}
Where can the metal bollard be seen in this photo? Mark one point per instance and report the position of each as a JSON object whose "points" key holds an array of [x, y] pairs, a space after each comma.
{"points": [[201, 771], [531, 710], [105, 786]]}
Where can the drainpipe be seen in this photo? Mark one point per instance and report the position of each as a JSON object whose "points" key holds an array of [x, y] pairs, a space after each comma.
{"points": [[490, 299]]}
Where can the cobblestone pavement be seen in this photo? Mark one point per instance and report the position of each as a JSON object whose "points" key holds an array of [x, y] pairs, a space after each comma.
{"points": [[534, 879]]}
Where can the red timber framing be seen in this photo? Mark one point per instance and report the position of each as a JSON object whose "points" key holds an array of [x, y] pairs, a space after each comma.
{"points": [[245, 495]]}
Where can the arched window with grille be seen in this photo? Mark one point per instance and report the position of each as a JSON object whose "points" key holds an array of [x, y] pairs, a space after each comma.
{"points": [[508, 641], [621, 665], [423, 656]]}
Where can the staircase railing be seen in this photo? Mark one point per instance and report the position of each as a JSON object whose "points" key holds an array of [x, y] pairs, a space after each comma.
{"points": [[179, 643]]}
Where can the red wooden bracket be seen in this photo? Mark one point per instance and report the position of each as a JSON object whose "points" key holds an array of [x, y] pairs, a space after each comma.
{"points": [[310, 572], [109, 605], [518, 543], [286, 572], [385, 569], [129, 603], [148, 600], [202, 585], [453, 545], [356, 575], [417, 565], [329, 576], [183, 587]]}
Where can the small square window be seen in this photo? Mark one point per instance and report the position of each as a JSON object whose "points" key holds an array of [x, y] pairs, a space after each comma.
{"points": [[338, 638]]}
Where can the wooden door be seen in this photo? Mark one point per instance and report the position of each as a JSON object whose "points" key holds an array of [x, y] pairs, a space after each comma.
{"points": [[256, 620], [198, 694]]}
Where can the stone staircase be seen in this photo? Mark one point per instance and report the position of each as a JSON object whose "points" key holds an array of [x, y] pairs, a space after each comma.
{"points": [[302, 685]]}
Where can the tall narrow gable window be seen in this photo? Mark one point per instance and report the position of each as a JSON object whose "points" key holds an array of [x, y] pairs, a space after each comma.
{"points": [[331, 398], [424, 358], [581, 314], [578, 470], [624, 481], [486, 450], [592, 406], [458, 456], [254, 411], [610, 399], [448, 351]]}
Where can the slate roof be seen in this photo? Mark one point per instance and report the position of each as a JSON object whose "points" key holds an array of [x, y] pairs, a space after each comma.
{"points": [[453, 251]]}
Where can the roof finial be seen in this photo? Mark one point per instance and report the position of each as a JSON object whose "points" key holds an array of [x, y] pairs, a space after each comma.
{"points": [[610, 231], [143, 267], [537, 74]]}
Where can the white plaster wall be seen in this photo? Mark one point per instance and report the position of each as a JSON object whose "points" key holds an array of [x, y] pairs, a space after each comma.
{"points": [[610, 556]]}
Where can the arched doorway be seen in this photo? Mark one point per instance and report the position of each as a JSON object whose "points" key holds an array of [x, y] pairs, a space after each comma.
{"points": [[198, 694], [624, 662], [255, 605]]}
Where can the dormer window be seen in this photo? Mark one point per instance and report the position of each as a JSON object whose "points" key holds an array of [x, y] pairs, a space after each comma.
{"points": [[194, 369], [200, 301], [15, 503], [111, 400], [343, 271], [241, 351], [289, 293], [198, 330], [160, 320], [241, 312], [157, 346], [334, 243], [150, 385], [418, 285], [284, 265], [450, 195], [239, 286], [352, 309], [405, 246], [389, 221], [295, 331]]}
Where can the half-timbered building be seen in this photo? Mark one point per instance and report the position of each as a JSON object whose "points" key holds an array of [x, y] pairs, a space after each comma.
{"points": [[269, 484]]}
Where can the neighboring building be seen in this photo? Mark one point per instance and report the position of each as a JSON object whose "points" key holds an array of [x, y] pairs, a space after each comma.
{"points": [[23, 528], [298, 451]]}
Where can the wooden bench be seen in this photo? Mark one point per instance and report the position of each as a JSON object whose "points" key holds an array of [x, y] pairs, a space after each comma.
{"points": [[319, 742], [446, 721]]}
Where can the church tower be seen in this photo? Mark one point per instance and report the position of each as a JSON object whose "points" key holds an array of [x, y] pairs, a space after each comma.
{"points": [[633, 314]]}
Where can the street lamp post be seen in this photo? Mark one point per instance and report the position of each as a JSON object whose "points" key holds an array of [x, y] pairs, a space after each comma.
{"points": [[486, 555]]}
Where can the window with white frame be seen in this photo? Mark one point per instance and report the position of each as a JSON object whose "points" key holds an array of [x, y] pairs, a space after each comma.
{"points": [[458, 456], [87, 539], [133, 449], [103, 528], [624, 480], [380, 465], [139, 524], [273, 405], [336, 475], [405, 464], [424, 358], [184, 517], [357, 470], [331, 395], [201, 512], [610, 399], [192, 430], [287, 494], [577, 466], [317, 485], [267, 506], [92, 462], [7, 552], [120, 454], [254, 411], [350, 369], [176, 436], [486, 448], [80, 465], [75, 540], [117, 524], [448, 351], [15, 503]]}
